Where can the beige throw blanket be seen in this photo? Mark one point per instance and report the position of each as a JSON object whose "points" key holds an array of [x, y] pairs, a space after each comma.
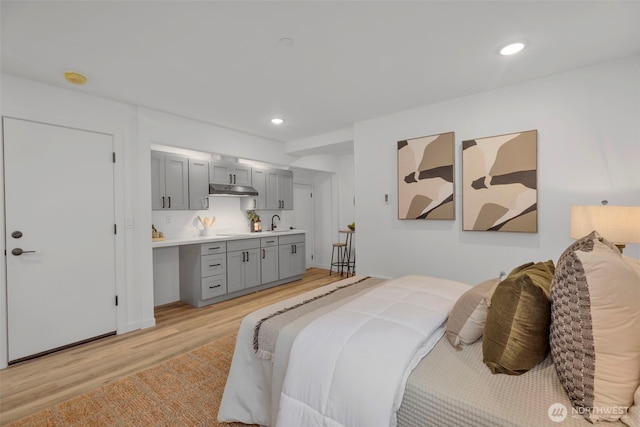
{"points": [[267, 329]]}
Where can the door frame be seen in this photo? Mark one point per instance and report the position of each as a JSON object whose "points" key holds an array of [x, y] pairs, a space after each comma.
{"points": [[311, 233], [118, 137]]}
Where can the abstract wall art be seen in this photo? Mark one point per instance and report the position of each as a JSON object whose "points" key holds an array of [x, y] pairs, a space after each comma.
{"points": [[425, 177], [499, 183]]}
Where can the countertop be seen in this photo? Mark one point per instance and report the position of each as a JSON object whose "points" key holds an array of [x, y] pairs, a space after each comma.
{"points": [[178, 241]]}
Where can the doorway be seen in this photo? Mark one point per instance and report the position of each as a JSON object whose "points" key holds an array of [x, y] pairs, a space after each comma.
{"points": [[60, 236]]}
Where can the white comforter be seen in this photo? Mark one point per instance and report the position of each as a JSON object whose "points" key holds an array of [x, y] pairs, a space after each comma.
{"points": [[350, 366]]}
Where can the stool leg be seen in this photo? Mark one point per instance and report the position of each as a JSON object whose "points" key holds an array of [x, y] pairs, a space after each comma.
{"points": [[333, 250]]}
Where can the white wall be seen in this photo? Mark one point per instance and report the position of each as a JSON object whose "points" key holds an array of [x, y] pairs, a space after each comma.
{"points": [[588, 124], [135, 130], [346, 189], [32, 101]]}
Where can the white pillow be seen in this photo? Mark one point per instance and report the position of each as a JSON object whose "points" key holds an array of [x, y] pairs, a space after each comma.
{"points": [[469, 314]]}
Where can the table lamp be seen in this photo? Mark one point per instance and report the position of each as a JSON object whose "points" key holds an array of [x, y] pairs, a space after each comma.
{"points": [[618, 224]]}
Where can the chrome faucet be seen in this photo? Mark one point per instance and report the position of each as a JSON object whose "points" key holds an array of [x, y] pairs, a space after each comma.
{"points": [[273, 225]]}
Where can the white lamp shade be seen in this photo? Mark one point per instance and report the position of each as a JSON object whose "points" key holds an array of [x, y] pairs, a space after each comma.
{"points": [[618, 224]]}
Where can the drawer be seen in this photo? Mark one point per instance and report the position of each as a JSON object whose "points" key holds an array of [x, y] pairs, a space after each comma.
{"points": [[242, 245], [291, 239], [213, 248], [214, 264], [214, 286], [265, 242]]}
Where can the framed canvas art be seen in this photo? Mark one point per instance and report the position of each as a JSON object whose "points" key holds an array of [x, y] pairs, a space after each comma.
{"points": [[425, 177], [499, 183]]}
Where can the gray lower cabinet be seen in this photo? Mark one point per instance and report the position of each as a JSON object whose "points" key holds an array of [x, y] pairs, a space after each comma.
{"points": [[269, 259], [216, 271], [243, 264], [203, 273], [291, 252]]}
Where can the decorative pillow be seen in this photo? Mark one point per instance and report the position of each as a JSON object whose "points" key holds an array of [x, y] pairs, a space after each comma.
{"points": [[595, 319], [632, 417], [466, 321], [516, 335]]}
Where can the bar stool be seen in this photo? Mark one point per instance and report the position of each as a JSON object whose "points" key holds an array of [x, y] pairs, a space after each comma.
{"points": [[349, 255], [339, 263]]}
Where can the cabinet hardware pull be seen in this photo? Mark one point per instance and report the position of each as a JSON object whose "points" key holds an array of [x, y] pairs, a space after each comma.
{"points": [[247, 256], [217, 247], [243, 256], [213, 287], [207, 199], [230, 179], [162, 202], [214, 265], [263, 254], [169, 202], [255, 203], [270, 241]]}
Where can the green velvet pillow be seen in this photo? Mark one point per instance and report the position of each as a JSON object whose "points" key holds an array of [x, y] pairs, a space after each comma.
{"points": [[516, 333]]}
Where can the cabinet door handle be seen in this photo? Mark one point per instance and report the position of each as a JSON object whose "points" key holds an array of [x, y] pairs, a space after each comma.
{"points": [[263, 254], [214, 265], [234, 178], [207, 199], [230, 179], [255, 203], [213, 287], [247, 256], [169, 201], [162, 202], [243, 256]]}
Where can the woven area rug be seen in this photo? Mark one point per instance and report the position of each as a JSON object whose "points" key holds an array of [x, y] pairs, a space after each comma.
{"points": [[183, 391]]}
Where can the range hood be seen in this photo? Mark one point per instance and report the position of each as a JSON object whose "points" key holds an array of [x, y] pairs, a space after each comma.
{"points": [[232, 190]]}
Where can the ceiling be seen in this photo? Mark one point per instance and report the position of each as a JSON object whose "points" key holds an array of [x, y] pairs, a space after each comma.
{"points": [[223, 63]]}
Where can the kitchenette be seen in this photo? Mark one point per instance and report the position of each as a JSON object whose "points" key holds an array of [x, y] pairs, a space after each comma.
{"points": [[221, 228]]}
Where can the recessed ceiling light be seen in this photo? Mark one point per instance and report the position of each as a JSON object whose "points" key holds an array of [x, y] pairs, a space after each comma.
{"points": [[286, 42], [75, 78], [512, 48], [277, 121]]}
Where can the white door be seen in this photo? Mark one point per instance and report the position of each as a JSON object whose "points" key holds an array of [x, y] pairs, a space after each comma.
{"points": [[59, 201], [303, 216]]}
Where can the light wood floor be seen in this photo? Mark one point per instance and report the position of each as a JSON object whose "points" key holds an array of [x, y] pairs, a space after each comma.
{"points": [[30, 386]]}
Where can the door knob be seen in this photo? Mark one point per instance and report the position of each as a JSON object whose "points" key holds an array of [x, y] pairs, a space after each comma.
{"points": [[19, 251], [16, 234]]}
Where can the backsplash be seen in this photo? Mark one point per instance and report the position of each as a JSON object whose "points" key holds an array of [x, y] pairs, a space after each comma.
{"points": [[229, 219]]}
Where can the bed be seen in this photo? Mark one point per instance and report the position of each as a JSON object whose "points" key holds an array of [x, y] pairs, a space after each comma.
{"points": [[443, 386]]}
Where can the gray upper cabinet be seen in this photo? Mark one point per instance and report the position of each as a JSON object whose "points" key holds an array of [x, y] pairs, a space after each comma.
{"points": [[258, 181], [198, 184], [279, 189], [221, 172], [169, 181]]}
